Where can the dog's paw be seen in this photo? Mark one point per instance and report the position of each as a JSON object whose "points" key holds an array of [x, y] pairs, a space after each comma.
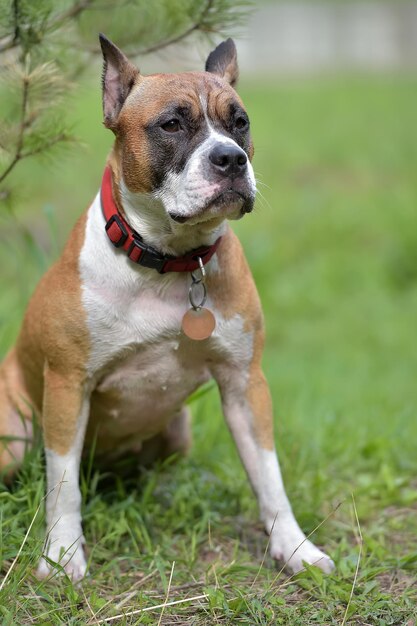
{"points": [[71, 561], [293, 554]]}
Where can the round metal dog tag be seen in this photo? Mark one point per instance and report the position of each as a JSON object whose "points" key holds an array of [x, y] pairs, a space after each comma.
{"points": [[198, 324]]}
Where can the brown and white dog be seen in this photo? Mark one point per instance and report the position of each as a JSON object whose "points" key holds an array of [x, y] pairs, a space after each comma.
{"points": [[101, 352]]}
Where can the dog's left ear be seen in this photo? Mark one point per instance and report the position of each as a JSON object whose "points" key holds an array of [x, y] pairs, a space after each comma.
{"points": [[223, 62], [119, 76]]}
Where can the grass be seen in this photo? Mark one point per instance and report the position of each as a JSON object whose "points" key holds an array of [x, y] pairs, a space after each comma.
{"points": [[333, 250]]}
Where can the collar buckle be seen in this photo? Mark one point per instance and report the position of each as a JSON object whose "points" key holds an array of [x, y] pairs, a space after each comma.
{"points": [[139, 252], [116, 231]]}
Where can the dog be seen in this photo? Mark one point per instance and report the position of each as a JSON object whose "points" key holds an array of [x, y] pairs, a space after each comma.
{"points": [[151, 297]]}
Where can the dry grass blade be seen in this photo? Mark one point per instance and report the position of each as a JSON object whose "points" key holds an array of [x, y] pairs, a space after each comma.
{"points": [[355, 578], [21, 547], [332, 512], [130, 594], [265, 552], [89, 606], [25, 538], [167, 594], [203, 596]]}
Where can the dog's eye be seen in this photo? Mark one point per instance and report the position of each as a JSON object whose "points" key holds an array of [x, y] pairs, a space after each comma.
{"points": [[241, 123], [172, 126]]}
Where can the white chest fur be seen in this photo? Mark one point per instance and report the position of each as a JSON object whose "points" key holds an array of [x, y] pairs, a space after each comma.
{"points": [[137, 348]]}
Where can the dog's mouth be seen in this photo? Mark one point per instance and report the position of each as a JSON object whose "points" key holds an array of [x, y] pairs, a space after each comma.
{"points": [[229, 198], [180, 219]]}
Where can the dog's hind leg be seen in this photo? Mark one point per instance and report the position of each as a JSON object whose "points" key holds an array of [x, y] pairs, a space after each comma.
{"points": [[177, 434], [174, 439], [15, 417]]}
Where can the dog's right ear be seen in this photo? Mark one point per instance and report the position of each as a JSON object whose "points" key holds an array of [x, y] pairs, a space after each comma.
{"points": [[223, 62], [119, 76]]}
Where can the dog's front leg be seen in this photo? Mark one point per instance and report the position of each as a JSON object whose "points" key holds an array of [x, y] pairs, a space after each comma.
{"points": [[248, 410], [64, 419]]}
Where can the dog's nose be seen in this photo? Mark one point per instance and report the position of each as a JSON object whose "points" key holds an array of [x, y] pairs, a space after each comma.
{"points": [[228, 160]]}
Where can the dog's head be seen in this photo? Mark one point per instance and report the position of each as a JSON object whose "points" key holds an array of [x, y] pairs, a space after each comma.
{"points": [[181, 138]]}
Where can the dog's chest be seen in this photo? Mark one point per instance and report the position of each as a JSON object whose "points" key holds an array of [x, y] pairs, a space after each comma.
{"points": [[132, 310], [141, 366], [144, 389], [135, 328]]}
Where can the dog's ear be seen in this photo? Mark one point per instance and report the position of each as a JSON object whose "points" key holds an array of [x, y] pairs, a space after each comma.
{"points": [[119, 76], [223, 61]]}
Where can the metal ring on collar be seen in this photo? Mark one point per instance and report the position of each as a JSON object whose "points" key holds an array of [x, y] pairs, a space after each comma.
{"points": [[191, 295], [202, 270]]}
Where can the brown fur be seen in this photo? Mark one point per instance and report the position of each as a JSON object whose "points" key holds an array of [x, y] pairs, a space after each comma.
{"points": [[15, 414], [52, 349], [223, 61], [47, 365], [233, 291], [151, 95], [119, 77]]}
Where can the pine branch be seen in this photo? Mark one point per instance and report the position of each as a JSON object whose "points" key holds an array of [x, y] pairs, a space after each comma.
{"points": [[44, 147], [214, 16], [39, 89], [20, 138], [16, 35], [71, 13], [14, 40], [47, 145], [168, 42], [31, 33]]}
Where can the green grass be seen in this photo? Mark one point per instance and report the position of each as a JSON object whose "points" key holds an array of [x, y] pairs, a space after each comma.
{"points": [[333, 249]]}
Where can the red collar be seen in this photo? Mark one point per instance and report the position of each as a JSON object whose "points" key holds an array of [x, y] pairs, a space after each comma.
{"points": [[123, 236]]}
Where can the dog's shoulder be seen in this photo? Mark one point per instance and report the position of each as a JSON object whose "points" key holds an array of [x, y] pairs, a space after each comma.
{"points": [[232, 287], [55, 309]]}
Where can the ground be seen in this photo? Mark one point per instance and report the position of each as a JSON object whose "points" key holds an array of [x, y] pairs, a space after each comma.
{"points": [[332, 245]]}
